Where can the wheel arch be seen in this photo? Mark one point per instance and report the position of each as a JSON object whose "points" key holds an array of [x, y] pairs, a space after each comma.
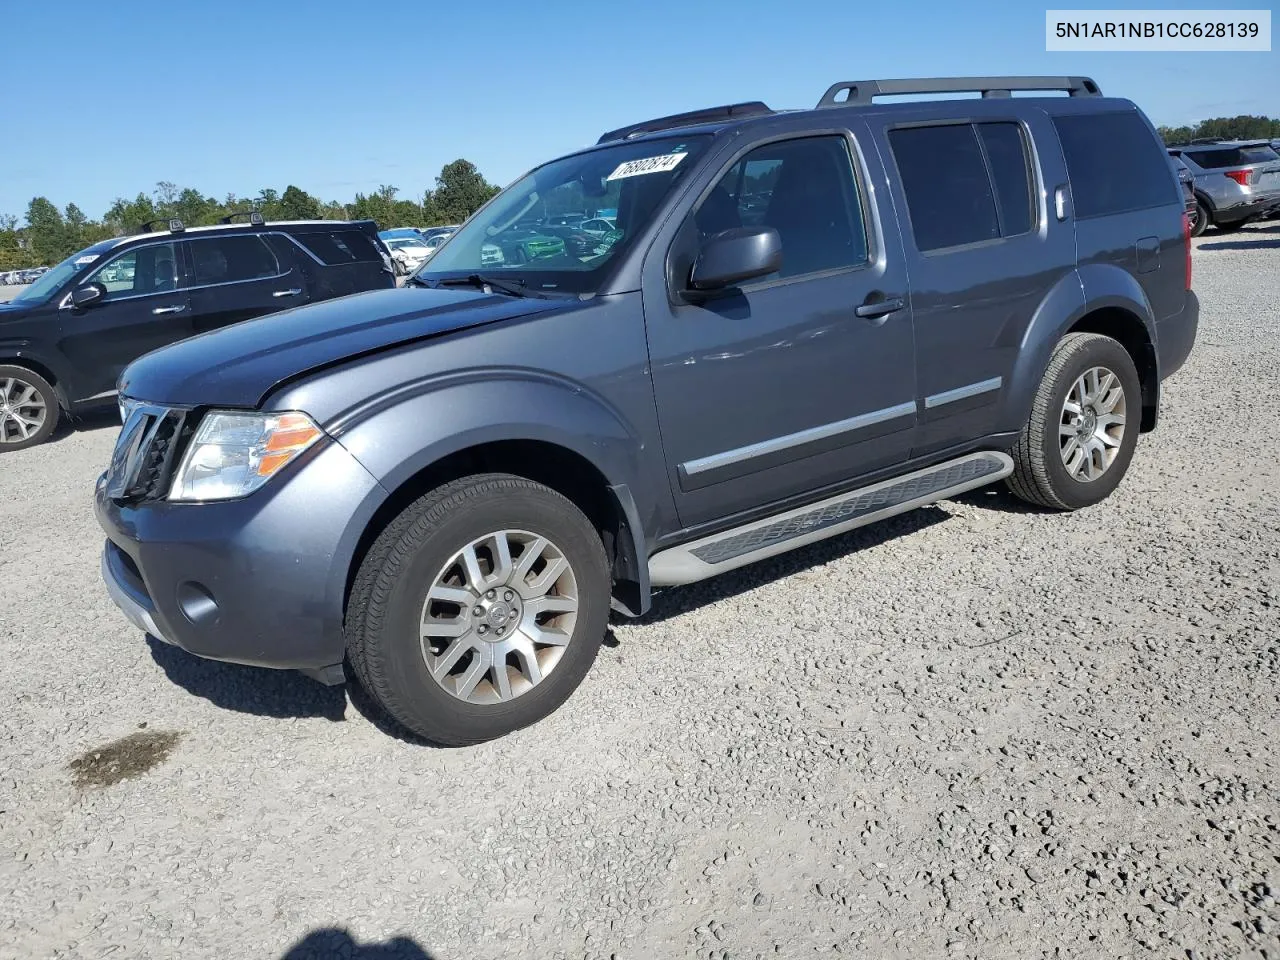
{"points": [[12, 358]]}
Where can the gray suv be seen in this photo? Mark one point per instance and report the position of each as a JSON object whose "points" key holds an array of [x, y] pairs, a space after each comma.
{"points": [[1234, 181], [802, 322]]}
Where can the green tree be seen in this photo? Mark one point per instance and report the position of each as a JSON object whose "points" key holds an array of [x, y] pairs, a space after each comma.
{"points": [[460, 191], [297, 204], [51, 238]]}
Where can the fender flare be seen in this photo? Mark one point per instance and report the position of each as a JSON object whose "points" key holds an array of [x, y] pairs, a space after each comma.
{"points": [[397, 436], [19, 352], [1090, 288]]}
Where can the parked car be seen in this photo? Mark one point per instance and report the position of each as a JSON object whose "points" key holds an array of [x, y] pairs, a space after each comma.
{"points": [[435, 242], [449, 486], [65, 339], [429, 232], [408, 254], [598, 226], [1234, 181]]}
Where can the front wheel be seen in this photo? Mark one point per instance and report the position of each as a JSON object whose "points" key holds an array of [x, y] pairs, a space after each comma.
{"points": [[29, 408], [479, 610], [1083, 428]]}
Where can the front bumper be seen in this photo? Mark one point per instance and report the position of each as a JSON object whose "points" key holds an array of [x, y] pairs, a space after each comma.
{"points": [[261, 580]]}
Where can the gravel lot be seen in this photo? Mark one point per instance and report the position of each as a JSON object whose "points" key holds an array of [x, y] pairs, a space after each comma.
{"points": [[971, 731]]}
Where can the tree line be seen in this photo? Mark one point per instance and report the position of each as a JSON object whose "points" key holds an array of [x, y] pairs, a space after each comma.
{"points": [[48, 235], [1243, 127]]}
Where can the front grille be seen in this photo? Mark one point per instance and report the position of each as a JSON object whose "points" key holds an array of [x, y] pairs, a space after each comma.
{"points": [[146, 453]]}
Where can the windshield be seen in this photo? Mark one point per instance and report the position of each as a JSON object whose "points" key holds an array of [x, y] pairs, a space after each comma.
{"points": [[52, 280], [533, 230]]}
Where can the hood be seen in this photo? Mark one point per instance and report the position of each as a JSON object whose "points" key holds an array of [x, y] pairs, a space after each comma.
{"points": [[238, 365]]}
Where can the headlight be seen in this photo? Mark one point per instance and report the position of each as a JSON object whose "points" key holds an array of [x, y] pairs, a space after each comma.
{"points": [[233, 454]]}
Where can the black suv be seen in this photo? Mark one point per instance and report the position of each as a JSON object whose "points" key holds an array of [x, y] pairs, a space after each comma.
{"points": [[803, 321], [66, 339]]}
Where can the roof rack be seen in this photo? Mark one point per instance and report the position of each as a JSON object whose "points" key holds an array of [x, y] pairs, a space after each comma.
{"points": [[863, 92], [730, 111], [254, 216], [1202, 140], [175, 225]]}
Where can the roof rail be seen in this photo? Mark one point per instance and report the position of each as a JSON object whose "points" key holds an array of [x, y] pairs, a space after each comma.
{"points": [[254, 216], [1202, 140], [175, 225], [862, 92], [730, 111]]}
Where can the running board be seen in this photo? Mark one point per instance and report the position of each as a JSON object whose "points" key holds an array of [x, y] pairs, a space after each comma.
{"points": [[739, 546]]}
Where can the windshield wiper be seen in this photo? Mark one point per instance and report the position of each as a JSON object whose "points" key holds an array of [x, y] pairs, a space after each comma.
{"points": [[514, 288]]}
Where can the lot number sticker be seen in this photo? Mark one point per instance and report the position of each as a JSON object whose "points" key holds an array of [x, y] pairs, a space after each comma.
{"points": [[638, 168]]}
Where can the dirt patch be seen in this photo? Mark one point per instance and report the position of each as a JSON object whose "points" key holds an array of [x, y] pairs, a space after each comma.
{"points": [[122, 759]]}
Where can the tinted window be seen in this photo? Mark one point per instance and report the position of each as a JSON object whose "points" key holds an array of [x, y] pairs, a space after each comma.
{"points": [[230, 259], [944, 176], [1010, 172], [804, 189], [340, 246], [142, 270], [1115, 164]]}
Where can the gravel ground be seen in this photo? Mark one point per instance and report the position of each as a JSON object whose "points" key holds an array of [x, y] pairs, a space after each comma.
{"points": [[8, 293], [971, 731]]}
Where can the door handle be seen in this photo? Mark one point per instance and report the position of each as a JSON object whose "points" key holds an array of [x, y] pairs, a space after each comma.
{"points": [[1060, 202], [880, 308], [288, 293], [161, 311]]}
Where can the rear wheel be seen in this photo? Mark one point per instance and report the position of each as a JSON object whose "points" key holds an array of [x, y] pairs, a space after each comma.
{"points": [[29, 409], [1201, 220], [479, 609], [1083, 428]]}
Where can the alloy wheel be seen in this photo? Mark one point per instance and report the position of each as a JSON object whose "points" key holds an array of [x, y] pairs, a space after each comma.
{"points": [[22, 410], [498, 616], [1092, 424]]}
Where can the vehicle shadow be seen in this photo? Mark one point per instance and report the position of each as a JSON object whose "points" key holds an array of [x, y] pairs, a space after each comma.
{"points": [[327, 942], [997, 497], [674, 601], [1258, 244], [96, 419], [256, 690]]}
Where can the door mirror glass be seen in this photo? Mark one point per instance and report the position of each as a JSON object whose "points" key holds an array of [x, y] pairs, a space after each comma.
{"points": [[88, 295], [732, 256]]}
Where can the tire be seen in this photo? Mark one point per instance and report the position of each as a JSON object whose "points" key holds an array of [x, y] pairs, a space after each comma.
{"points": [[1041, 475], [1202, 220], [29, 410], [414, 556]]}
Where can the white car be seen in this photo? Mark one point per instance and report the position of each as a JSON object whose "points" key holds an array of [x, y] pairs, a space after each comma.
{"points": [[408, 253]]}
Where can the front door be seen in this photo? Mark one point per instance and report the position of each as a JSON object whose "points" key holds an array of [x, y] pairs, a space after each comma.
{"points": [[147, 306], [780, 387], [237, 276]]}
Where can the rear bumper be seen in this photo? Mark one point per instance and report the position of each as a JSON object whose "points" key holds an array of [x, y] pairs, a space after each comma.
{"points": [[1176, 336], [1246, 206], [258, 581]]}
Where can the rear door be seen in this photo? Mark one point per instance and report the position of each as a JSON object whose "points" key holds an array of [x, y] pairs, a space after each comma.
{"points": [[983, 254], [238, 276], [147, 306]]}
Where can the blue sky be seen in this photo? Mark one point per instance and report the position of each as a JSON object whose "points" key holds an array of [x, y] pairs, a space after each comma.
{"points": [[338, 96]]}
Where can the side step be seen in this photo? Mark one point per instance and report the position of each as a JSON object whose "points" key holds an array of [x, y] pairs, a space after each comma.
{"points": [[739, 546]]}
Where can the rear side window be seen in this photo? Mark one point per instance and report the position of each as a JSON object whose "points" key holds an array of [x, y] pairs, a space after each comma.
{"points": [[1011, 173], [333, 247], [1114, 162], [231, 259], [949, 194]]}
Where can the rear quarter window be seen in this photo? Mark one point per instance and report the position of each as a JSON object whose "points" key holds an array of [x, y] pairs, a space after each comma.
{"points": [[334, 247], [1231, 156], [1115, 164]]}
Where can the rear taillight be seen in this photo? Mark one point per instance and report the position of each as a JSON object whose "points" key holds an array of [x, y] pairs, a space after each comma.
{"points": [[1242, 177], [1186, 241]]}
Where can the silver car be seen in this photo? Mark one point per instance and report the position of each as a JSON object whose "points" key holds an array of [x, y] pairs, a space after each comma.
{"points": [[1235, 181]]}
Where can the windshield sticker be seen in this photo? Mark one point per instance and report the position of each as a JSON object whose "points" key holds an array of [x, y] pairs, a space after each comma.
{"points": [[87, 258], [637, 168]]}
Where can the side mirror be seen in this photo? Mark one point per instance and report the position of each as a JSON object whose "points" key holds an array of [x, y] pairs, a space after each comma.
{"points": [[732, 256], [88, 295]]}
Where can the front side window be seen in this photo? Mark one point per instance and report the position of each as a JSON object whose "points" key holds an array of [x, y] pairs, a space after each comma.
{"points": [[530, 232], [143, 270], [806, 190], [231, 259]]}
